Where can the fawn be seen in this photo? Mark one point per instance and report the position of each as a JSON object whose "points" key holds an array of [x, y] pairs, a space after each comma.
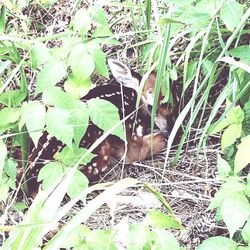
{"points": [[140, 145]]}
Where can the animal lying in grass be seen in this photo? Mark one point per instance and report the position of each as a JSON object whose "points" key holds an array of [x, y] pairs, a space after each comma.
{"points": [[141, 143]]}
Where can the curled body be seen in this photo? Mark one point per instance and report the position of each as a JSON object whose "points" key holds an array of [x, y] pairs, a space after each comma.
{"points": [[141, 143]]}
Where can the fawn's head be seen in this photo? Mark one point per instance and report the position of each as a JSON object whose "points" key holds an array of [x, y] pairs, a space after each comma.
{"points": [[131, 79]]}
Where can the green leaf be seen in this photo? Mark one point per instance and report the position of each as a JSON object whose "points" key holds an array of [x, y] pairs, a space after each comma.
{"points": [[242, 52], [82, 22], [138, 236], [49, 173], [231, 133], [20, 206], [79, 116], [4, 190], [231, 13], [13, 97], [33, 114], [78, 184], [76, 238], [246, 232], [223, 167], [235, 115], [164, 240], [9, 117], [58, 124], [105, 115], [218, 243], [219, 126], [226, 189], [98, 14], [58, 98], [80, 119], [235, 210], [3, 154], [158, 219], [77, 88], [52, 73], [81, 63], [100, 63], [10, 168], [68, 156], [39, 54], [242, 157], [101, 240], [179, 2], [246, 122], [2, 19], [102, 32]]}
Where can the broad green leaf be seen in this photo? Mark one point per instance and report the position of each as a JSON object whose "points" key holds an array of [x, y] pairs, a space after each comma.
{"points": [[76, 238], [246, 122], [138, 236], [100, 63], [58, 124], [80, 119], [77, 88], [13, 97], [81, 63], [4, 65], [235, 115], [164, 240], [4, 190], [98, 14], [101, 240], [46, 3], [231, 133], [218, 243], [242, 157], [58, 98], [78, 184], [68, 156], [79, 116], [219, 126], [39, 54], [49, 173], [3, 154], [33, 114], [52, 73], [22, 4], [231, 13], [246, 232], [158, 219], [226, 189], [105, 115], [82, 22], [102, 32], [242, 52], [20, 206], [179, 2], [235, 210], [10, 168], [9, 117], [223, 167]]}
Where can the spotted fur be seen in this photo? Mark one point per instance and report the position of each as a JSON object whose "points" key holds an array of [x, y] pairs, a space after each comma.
{"points": [[139, 147]]}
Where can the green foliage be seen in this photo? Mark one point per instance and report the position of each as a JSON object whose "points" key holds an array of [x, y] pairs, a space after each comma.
{"points": [[104, 114], [217, 243], [213, 35]]}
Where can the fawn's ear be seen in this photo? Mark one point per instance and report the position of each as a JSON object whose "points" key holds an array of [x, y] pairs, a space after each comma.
{"points": [[123, 74]]}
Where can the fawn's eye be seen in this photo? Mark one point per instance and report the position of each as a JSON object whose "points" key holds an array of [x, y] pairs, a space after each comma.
{"points": [[150, 108]]}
